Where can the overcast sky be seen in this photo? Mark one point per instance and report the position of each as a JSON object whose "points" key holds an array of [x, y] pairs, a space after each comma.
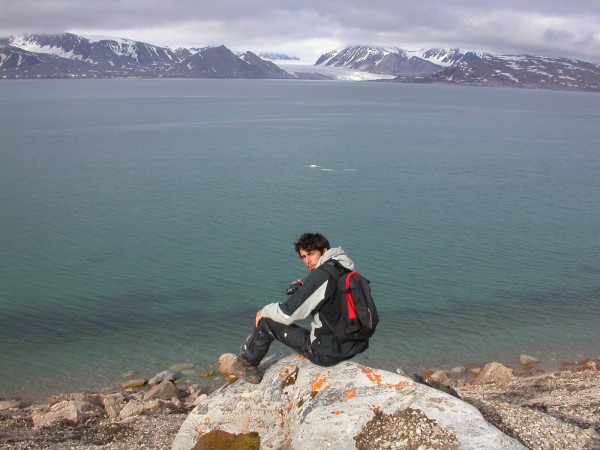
{"points": [[309, 28]]}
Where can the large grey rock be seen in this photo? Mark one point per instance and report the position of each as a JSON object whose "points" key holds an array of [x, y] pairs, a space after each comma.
{"points": [[300, 405]]}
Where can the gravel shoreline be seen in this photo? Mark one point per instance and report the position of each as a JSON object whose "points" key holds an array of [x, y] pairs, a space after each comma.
{"points": [[552, 410], [557, 410]]}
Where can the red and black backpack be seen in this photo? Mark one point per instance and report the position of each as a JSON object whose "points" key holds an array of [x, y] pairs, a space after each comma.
{"points": [[359, 316]]}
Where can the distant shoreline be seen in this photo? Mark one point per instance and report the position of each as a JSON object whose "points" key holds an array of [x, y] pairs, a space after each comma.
{"points": [[211, 379]]}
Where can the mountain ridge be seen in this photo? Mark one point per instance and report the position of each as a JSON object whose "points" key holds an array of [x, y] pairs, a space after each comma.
{"points": [[68, 55], [468, 67]]}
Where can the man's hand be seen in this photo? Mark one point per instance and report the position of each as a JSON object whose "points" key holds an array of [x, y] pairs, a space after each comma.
{"points": [[259, 316], [294, 287]]}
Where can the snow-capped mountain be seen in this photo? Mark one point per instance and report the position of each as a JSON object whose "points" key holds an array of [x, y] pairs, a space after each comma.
{"points": [[520, 71], [100, 53], [355, 57], [220, 62], [69, 55], [446, 57], [390, 61], [458, 66], [257, 62]]}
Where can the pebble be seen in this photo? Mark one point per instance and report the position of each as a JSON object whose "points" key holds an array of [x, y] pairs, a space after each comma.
{"points": [[9, 404], [181, 367], [528, 360], [130, 384]]}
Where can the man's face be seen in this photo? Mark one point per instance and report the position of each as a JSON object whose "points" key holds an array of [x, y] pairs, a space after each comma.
{"points": [[310, 257]]}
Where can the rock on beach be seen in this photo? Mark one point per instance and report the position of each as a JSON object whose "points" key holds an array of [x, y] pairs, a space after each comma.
{"points": [[527, 360], [135, 383], [494, 373], [301, 405], [165, 375], [225, 364], [9, 404]]}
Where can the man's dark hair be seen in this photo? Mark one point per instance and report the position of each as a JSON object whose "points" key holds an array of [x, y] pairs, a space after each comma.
{"points": [[311, 241]]}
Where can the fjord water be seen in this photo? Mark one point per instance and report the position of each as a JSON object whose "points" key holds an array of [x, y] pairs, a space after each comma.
{"points": [[143, 222]]}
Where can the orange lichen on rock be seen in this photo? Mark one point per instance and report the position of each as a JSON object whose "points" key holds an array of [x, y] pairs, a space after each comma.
{"points": [[375, 377], [400, 385], [318, 383], [350, 394], [337, 413], [372, 375]]}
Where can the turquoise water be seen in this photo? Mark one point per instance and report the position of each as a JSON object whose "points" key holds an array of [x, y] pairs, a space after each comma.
{"points": [[143, 222]]}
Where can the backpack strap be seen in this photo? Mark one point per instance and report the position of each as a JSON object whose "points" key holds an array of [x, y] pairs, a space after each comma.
{"points": [[334, 268]]}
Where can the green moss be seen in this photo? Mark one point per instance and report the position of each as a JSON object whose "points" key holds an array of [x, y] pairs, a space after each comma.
{"points": [[222, 440]]}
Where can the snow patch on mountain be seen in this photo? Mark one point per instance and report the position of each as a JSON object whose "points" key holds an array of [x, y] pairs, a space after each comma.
{"points": [[27, 43], [126, 48], [507, 75]]}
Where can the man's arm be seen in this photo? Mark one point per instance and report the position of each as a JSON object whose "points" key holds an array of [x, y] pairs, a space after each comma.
{"points": [[302, 303]]}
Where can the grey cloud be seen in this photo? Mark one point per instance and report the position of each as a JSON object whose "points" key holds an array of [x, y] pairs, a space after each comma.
{"points": [[507, 25], [553, 36]]}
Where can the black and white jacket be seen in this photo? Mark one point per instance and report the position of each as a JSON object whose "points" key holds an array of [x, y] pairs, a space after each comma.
{"points": [[316, 298]]}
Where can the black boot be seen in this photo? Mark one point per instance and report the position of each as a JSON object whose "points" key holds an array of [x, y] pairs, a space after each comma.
{"points": [[245, 371]]}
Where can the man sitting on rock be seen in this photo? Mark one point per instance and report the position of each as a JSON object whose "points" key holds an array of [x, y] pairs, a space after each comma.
{"points": [[313, 297]]}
